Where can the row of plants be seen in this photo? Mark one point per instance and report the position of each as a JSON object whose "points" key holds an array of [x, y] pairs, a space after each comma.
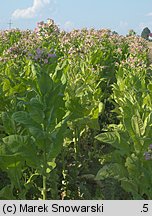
{"points": [[75, 114]]}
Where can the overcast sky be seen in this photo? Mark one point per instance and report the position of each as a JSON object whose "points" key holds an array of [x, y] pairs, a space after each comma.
{"points": [[118, 15]]}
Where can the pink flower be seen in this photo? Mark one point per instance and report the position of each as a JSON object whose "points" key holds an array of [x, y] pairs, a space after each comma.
{"points": [[45, 61]]}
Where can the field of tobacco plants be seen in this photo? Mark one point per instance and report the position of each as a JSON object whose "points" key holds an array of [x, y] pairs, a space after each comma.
{"points": [[75, 115]]}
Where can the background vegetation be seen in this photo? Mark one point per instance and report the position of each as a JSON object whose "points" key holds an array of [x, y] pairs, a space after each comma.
{"points": [[75, 115]]}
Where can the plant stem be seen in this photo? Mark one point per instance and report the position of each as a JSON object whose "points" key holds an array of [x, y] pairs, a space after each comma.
{"points": [[44, 188], [77, 138], [44, 193]]}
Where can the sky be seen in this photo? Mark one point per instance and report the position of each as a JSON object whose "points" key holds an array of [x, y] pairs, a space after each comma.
{"points": [[117, 15]]}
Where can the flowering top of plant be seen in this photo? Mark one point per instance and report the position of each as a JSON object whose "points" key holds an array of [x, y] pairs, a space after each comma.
{"points": [[77, 44], [21, 43], [47, 30], [41, 55]]}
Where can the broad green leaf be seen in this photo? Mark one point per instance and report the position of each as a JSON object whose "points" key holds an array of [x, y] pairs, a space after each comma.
{"points": [[149, 87], [25, 119], [57, 76], [23, 146], [128, 126], [36, 111], [55, 104], [37, 133], [45, 83], [8, 123], [22, 117], [138, 126], [15, 139], [56, 139], [10, 161], [6, 85], [115, 170], [132, 164], [92, 123], [17, 89], [33, 69], [129, 185], [15, 174], [14, 142], [109, 137], [30, 154], [148, 124], [63, 79], [104, 172], [6, 193]]}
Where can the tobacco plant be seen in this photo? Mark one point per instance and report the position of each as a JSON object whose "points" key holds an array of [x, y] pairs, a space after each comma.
{"points": [[132, 137], [36, 132], [58, 90]]}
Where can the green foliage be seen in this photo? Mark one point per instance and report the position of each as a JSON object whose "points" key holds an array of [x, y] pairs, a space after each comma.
{"points": [[145, 33], [131, 32], [131, 138], [58, 91]]}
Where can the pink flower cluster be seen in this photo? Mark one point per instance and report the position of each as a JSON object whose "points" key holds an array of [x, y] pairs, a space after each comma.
{"points": [[41, 55]]}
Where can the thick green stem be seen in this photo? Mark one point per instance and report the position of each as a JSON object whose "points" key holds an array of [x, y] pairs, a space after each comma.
{"points": [[44, 191], [77, 137], [44, 188]]}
